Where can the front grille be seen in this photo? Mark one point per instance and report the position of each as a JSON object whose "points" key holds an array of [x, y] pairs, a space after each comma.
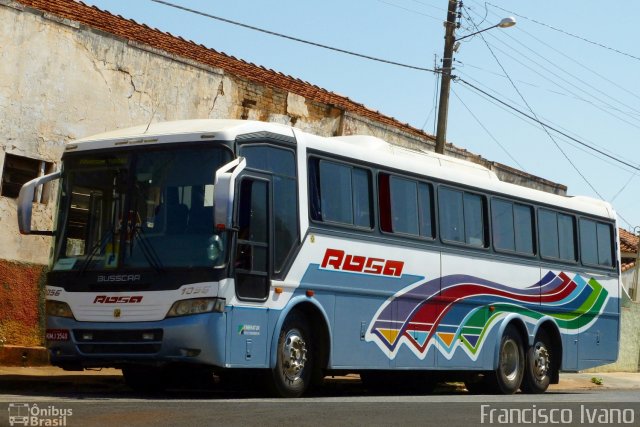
{"points": [[118, 341], [116, 335], [119, 348]]}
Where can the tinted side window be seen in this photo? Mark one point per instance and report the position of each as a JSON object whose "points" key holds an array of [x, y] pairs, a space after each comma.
{"points": [[252, 251], [566, 237], [596, 247], [462, 216], [270, 159], [588, 242], [512, 226], [548, 233], [361, 198], [339, 193], [285, 217], [502, 225], [280, 164], [523, 222], [557, 235], [404, 205], [451, 214], [336, 193], [474, 219], [605, 246], [425, 201]]}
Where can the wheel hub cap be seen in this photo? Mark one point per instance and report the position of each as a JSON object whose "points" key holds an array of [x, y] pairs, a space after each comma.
{"points": [[294, 355], [510, 360], [540, 361]]}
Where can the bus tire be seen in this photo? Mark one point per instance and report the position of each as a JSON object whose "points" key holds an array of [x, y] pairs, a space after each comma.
{"points": [[294, 358], [538, 368], [508, 376]]}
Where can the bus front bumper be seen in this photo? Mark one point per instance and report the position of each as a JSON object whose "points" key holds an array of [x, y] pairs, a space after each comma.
{"points": [[198, 339]]}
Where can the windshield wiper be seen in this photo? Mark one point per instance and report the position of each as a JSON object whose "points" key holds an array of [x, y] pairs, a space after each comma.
{"points": [[100, 245], [147, 249]]}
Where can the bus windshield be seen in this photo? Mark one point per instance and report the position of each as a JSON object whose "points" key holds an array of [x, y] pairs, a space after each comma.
{"points": [[139, 210]]}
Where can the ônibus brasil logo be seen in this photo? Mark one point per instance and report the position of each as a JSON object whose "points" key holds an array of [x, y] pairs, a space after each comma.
{"points": [[25, 414]]}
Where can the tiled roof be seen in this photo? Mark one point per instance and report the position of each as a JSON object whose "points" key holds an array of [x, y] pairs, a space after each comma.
{"points": [[627, 266], [629, 244], [628, 241], [128, 29]]}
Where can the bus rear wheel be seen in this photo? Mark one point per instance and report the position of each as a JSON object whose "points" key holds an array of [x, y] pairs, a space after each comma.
{"points": [[538, 365], [508, 376], [294, 364]]}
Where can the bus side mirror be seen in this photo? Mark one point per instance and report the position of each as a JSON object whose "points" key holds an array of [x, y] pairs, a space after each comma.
{"points": [[25, 203], [223, 193]]}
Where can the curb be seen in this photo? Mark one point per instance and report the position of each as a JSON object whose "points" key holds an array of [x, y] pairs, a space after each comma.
{"points": [[15, 355]]}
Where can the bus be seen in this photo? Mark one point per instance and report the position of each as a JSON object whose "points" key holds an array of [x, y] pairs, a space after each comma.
{"points": [[244, 246]]}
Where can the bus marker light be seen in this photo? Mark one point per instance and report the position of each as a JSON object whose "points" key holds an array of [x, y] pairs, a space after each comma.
{"points": [[278, 290], [492, 308], [309, 293]]}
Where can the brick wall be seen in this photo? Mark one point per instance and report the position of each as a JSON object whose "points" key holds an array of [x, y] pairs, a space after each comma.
{"points": [[21, 303]]}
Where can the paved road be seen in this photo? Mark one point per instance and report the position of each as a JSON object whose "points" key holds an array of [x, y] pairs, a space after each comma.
{"points": [[104, 400]]}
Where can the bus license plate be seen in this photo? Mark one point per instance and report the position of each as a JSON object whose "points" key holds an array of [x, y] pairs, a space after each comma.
{"points": [[57, 335]]}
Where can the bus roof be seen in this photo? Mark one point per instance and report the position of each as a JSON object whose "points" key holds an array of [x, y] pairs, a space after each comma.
{"points": [[358, 147], [175, 131]]}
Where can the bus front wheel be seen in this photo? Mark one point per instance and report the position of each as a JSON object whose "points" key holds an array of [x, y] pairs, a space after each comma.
{"points": [[294, 364], [538, 365], [508, 376]]}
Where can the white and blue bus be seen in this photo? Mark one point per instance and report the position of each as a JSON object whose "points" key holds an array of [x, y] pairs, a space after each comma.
{"points": [[239, 245]]}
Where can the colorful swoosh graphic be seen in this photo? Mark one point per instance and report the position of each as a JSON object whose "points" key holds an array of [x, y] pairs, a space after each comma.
{"points": [[455, 311]]}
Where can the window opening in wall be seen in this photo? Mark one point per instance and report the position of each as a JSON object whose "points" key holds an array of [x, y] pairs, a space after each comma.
{"points": [[18, 170]]}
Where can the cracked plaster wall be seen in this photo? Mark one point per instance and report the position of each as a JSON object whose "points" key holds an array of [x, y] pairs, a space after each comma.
{"points": [[59, 83]]}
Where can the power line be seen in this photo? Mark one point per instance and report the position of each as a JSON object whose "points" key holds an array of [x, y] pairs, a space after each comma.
{"points": [[435, 98], [632, 116], [564, 55], [567, 33], [412, 10], [296, 39], [535, 115], [572, 75], [547, 126], [488, 132], [601, 108], [623, 187], [533, 124], [626, 90]]}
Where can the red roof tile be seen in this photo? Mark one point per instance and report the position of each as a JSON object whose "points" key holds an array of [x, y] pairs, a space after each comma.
{"points": [[628, 241], [128, 29]]}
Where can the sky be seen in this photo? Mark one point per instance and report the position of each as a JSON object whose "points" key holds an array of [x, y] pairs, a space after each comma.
{"points": [[572, 64]]}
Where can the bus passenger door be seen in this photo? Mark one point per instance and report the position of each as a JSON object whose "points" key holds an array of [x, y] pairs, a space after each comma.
{"points": [[251, 273]]}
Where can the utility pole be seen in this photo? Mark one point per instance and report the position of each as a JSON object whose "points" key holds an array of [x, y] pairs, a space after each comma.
{"points": [[447, 67]]}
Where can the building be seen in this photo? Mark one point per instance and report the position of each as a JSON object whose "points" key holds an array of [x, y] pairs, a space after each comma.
{"points": [[630, 266]]}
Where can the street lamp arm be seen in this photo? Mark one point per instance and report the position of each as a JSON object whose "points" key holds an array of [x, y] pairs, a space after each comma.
{"points": [[477, 32]]}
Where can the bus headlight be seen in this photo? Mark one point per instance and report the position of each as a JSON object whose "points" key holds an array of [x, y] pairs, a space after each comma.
{"points": [[58, 308], [196, 306]]}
